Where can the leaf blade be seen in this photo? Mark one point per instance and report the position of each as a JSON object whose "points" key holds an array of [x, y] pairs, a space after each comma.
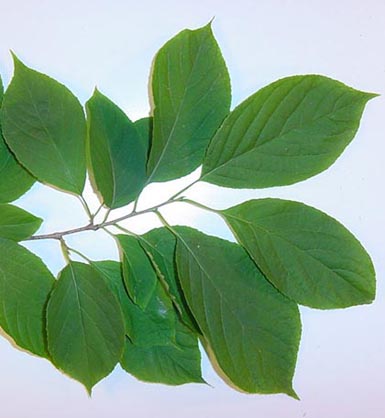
{"points": [[15, 181], [318, 262], [85, 329], [44, 126], [17, 224], [191, 92], [172, 361], [287, 132], [252, 329], [117, 154], [25, 285]]}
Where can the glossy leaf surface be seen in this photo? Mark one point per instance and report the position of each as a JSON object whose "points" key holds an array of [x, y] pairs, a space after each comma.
{"points": [[25, 284], [191, 94], [286, 132], [306, 254], [252, 330], [117, 154], [85, 325], [44, 126]]}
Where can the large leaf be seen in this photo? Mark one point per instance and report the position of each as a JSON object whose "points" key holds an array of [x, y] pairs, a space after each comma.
{"points": [[85, 328], [191, 94], [160, 245], [117, 154], [17, 224], [25, 284], [286, 132], [44, 126], [154, 325], [173, 361], [14, 180], [252, 330], [305, 253]]}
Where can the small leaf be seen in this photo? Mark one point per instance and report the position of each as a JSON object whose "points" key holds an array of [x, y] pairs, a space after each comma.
{"points": [[85, 326], [16, 224], [139, 276], [156, 351], [306, 254], [286, 132], [191, 93], [252, 330], [154, 325], [44, 126], [25, 284], [160, 245], [14, 180], [117, 155]]}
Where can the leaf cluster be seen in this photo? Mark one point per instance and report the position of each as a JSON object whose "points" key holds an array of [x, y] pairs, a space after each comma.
{"points": [[175, 286]]}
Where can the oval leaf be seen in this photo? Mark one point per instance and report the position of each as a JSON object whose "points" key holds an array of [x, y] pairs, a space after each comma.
{"points": [[306, 254], [17, 224], [25, 284], [85, 328], [14, 180], [191, 94], [174, 361], [252, 330], [44, 126], [286, 132], [117, 155]]}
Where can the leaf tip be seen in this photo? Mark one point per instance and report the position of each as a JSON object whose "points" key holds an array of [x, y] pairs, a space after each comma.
{"points": [[293, 394]]}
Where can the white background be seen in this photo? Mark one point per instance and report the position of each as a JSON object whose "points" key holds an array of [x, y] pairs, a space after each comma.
{"points": [[341, 364]]}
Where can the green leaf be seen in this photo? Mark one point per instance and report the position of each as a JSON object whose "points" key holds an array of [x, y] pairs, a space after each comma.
{"points": [[85, 328], [252, 330], [14, 180], [139, 276], [174, 364], [154, 317], [286, 132], [171, 356], [144, 128], [160, 245], [117, 155], [191, 94], [25, 284], [44, 126], [16, 224], [306, 254]]}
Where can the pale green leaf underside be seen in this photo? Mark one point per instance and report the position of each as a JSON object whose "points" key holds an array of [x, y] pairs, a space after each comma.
{"points": [[117, 154], [286, 132], [14, 180], [85, 328], [160, 245], [252, 330], [306, 254], [44, 126], [171, 356], [191, 95], [25, 284]]}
